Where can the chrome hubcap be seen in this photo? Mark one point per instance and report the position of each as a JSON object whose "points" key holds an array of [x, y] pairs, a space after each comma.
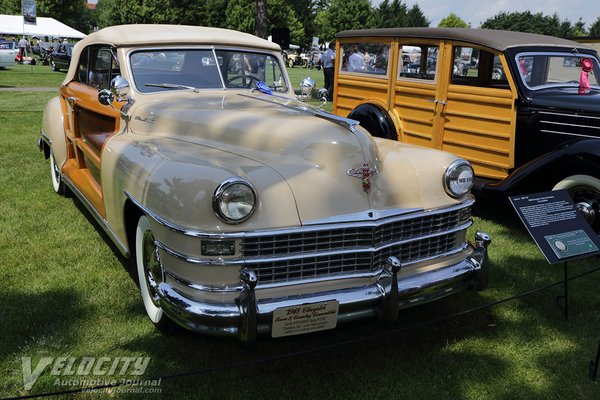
{"points": [[587, 201], [152, 268]]}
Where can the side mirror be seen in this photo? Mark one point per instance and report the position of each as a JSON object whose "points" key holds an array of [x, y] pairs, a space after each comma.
{"points": [[120, 88]]}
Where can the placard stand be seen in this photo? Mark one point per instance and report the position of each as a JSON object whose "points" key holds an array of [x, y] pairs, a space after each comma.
{"points": [[565, 296], [594, 365]]}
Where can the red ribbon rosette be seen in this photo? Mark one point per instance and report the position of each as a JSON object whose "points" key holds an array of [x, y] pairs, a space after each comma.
{"points": [[586, 68]]}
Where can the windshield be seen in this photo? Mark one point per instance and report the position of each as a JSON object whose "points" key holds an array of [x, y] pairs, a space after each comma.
{"points": [[160, 70], [543, 70]]}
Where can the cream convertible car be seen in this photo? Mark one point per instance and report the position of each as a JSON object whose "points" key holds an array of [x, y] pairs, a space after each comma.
{"points": [[244, 210]]}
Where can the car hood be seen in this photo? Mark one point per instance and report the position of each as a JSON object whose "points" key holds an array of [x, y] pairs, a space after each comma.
{"points": [[567, 99], [317, 155]]}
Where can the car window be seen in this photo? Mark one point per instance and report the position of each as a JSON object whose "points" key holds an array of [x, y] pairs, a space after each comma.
{"points": [[203, 69], [7, 45], [242, 69], [97, 66], [477, 67], [419, 61], [540, 70], [366, 58]]}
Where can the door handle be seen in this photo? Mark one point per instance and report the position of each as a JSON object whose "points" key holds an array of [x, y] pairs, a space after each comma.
{"points": [[443, 102], [435, 101]]}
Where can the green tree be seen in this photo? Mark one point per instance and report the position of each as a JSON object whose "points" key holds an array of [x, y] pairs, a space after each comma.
{"points": [[260, 18], [216, 13], [416, 17], [279, 14], [306, 12], [595, 28], [343, 15], [183, 12], [453, 21], [391, 15], [578, 29], [528, 22]]}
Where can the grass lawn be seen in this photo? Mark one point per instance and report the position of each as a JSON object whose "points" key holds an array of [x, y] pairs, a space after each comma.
{"points": [[67, 293], [30, 76]]}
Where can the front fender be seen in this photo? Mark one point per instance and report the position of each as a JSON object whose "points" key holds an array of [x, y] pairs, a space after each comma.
{"points": [[375, 120], [53, 130], [176, 181], [575, 158]]}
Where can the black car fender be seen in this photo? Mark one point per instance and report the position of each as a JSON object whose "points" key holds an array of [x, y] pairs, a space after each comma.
{"points": [[581, 157], [375, 120]]}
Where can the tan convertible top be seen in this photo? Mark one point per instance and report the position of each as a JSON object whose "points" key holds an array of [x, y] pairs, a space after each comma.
{"points": [[148, 35], [494, 39]]}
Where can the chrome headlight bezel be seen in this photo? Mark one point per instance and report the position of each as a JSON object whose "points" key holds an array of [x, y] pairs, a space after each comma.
{"points": [[221, 195], [452, 178]]}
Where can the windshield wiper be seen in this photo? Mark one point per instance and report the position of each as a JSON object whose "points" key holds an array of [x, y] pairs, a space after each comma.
{"points": [[172, 86]]}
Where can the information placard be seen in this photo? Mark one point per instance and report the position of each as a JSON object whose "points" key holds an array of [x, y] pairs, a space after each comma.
{"points": [[560, 232]]}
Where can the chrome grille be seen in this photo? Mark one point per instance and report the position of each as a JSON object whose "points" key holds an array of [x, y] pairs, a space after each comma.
{"points": [[569, 124], [357, 249]]}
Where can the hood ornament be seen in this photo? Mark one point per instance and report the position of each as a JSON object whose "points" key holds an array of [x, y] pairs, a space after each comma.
{"points": [[365, 173]]}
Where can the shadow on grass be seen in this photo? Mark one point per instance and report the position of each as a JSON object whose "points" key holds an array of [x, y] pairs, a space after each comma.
{"points": [[31, 316]]}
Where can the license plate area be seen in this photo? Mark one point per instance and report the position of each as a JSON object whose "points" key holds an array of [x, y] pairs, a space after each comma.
{"points": [[305, 318]]}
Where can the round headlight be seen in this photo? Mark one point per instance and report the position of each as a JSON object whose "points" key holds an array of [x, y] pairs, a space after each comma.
{"points": [[458, 178], [234, 201]]}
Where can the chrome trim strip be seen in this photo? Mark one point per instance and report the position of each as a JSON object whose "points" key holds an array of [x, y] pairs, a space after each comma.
{"points": [[284, 231], [346, 122], [367, 215], [567, 115], [568, 134], [299, 256], [101, 221], [45, 138], [298, 282], [566, 124]]}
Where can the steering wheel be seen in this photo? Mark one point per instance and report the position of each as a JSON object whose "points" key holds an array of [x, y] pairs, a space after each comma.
{"points": [[246, 81]]}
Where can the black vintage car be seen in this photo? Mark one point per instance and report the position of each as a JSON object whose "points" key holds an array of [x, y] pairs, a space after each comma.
{"points": [[524, 109], [60, 58]]}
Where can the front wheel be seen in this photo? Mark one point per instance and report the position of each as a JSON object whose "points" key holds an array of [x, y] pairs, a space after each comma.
{"points": [[149, 273], [585, 192], [57, 182]]}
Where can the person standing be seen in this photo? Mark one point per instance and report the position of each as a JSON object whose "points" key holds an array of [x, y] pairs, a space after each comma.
{"points": [[23, 45], [328, 60]]}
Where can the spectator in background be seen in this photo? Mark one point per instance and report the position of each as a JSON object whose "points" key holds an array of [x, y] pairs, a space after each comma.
{"points": [[356, 61], [328, 61], [23, 45]]}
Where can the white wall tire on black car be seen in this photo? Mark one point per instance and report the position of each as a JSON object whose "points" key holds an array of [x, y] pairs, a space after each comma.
{"points": [[585, 192], [148, 272]]}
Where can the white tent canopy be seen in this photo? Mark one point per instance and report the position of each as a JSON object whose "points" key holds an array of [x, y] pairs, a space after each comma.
{"points": [[13, 25]]}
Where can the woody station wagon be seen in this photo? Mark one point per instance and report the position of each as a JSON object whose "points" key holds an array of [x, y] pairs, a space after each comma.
{"points": [[243, 210], [524, 109]]}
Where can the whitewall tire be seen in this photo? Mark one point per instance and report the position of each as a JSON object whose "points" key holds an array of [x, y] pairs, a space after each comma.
{"points": [[148, 266], [57, 183], [585, 192]]}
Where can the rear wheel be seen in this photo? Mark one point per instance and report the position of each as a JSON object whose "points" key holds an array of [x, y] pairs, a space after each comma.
{"points": [[149, 273], [585, 192]]}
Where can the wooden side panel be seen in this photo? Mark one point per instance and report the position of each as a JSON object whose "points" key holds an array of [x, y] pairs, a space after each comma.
{"points": [[414, 105], [353, 90], [479, 125]]}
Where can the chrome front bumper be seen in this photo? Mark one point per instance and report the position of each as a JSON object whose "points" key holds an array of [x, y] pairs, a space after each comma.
{"points": [[247, 317]]}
